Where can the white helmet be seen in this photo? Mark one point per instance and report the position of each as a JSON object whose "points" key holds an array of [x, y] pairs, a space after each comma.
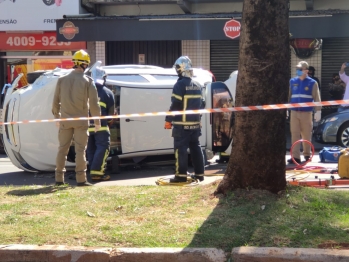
{"points": [[183, 65]]}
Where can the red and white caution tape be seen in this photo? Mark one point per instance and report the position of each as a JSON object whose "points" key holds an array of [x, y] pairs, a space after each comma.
{"points": [[200, 111]]}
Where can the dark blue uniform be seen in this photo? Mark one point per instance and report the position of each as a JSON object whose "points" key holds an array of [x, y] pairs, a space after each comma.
{"points": [[187, 95], [98, 145]]}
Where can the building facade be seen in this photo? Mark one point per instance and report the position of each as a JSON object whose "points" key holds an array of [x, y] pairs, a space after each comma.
{"points": [[28, 37], [157, 32]]}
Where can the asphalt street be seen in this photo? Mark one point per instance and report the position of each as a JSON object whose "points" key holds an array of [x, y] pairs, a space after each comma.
{"points": [[131, 176], [11, 175]]}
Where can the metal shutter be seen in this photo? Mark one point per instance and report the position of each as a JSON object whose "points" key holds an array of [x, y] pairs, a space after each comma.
{"points": [[224, 58], [335, 52], [157, 53]]}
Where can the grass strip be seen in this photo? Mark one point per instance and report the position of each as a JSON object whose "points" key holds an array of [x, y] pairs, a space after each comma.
{"points": [[152, 216]]}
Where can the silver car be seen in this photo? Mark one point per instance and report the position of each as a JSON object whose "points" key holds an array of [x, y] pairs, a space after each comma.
{"points": [[334, 129]]}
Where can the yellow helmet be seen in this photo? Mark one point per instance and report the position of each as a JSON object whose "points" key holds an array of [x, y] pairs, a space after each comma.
{"points": [[81, 57]]}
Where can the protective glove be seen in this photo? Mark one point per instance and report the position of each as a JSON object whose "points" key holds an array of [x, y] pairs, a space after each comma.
{"points": [[58, 124], [317, 116], [168, 125], [97, 127]]}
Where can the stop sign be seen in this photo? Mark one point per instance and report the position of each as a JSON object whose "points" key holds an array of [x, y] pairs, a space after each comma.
{"points": [[232, 29]]}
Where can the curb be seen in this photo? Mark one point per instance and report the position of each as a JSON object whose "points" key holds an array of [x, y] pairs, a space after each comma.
{"points": [[261, 254], [60, 253]]}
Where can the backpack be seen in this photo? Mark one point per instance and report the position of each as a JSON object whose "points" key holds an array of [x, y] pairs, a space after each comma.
{"points": [[343, 164], [330, 154]]}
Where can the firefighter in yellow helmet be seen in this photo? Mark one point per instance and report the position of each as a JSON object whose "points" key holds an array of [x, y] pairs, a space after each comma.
{"points": [[75, 94]]}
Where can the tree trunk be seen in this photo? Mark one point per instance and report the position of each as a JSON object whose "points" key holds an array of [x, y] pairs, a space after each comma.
{"points": [[258, 152]]}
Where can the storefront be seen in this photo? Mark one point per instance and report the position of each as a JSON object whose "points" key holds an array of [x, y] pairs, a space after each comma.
{"points": [[28, 42], [130, 35]]}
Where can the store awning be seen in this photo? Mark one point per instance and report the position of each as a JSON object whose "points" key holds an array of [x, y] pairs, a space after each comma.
{"points": [[315, 24]]}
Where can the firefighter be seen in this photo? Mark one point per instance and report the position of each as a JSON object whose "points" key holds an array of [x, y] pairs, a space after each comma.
{"points": [[74, 95], [98, 145], [186, 95]]}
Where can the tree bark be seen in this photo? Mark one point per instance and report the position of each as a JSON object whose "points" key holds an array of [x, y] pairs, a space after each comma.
{"points": [[258, 152]]}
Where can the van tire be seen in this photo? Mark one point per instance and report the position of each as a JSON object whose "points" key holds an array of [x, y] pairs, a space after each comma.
{"points": [[115, 165]]}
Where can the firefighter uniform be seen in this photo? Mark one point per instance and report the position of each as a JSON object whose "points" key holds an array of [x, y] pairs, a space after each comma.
{"points": [[99, 142], [75, 94], [187, 95]]}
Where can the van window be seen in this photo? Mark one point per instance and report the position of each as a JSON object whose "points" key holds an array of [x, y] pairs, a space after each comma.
{"points": [[165, 77], [128, 78]]}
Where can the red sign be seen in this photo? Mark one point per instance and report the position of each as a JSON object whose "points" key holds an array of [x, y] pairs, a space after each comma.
{"points": [[31, 41], [232, 29], [303, 43], [69, 30]]}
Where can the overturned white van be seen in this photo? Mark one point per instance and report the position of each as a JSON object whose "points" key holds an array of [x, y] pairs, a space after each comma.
{"points": [[138, 89]]}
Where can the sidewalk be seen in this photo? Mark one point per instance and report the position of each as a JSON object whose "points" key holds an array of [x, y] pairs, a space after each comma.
{"points": [[47, 253]]}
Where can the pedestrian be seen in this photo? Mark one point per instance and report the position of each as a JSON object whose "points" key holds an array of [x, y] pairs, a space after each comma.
{"points": [[337, 87], [311, 74], [303, 89], [343, 76], [75, 94], [98, 145], [186, 95]]}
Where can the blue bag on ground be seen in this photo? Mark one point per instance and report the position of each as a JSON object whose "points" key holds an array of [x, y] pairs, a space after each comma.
{"points": [[330, 154]]}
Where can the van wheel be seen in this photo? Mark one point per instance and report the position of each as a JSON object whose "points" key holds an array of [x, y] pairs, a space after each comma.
{"points": [[115, 162], [48, 2]]}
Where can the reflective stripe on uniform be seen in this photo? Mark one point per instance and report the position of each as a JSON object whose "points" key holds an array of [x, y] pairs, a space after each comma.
{"points": [[186, 123], [176, 164], [186, 97], [103, 104], [177, 97], [101, 171], [300, 95], [97, 173], [103, 128]]}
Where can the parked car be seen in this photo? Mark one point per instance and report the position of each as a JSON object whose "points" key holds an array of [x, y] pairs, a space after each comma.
{"points": [[334, 129], [138, 89]]}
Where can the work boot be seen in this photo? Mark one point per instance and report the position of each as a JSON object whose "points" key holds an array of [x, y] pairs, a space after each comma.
{"points": [[100, 178], [178, 179], [84, 184], [307, 158], [61, 184], [197, 177], [290, 161]]}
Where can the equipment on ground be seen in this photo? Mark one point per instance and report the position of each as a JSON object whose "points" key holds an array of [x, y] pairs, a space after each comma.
{"points": [[343, 163], [330, 154]]}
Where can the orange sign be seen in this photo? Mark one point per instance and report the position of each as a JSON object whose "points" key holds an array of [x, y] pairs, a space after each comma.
{"points": [[40, 42]]}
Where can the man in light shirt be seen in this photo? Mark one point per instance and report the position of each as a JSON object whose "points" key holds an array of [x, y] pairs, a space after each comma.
{"points": [[303, 89], [345, 79]]}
